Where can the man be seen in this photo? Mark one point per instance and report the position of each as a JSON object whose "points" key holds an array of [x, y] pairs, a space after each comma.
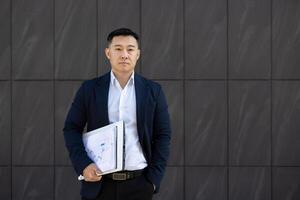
{"points": [[124, 95]]}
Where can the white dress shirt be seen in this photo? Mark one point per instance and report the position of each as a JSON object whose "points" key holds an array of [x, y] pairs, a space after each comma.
{"points": [[122, 106]]}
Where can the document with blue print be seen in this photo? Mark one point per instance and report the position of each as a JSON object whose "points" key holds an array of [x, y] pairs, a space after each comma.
{"points": [[105, 147]]}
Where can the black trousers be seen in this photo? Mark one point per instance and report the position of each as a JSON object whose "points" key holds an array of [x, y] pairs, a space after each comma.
{"points": [[138, 188]]}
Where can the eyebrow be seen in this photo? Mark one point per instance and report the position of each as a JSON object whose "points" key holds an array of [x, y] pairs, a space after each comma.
{"points": [[118, 45]]}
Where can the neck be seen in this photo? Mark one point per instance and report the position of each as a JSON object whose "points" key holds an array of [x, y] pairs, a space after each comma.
{"points": [[122, 78]]}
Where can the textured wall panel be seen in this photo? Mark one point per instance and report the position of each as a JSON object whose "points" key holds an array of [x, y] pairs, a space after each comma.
{"points": [[285, 123], [32, 111], [286, 183], [286, 39], [206, 183], [66, 184], [5, 38], [249, 123], [32, 183], [5, 123], [162, 39], [205, 39], [249, 183], [75, 39], [205, 123], [32, 39], [249, 38], [5, 183]]}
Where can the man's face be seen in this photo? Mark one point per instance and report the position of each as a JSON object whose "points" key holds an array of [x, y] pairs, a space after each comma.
{"points": [[123, 53]]}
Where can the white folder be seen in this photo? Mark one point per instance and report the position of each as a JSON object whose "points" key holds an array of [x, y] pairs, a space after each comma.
{"points": [[105, 147]]}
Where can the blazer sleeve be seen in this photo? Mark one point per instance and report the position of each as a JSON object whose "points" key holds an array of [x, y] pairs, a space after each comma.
{"points": [[73, 128], [161, 141]]}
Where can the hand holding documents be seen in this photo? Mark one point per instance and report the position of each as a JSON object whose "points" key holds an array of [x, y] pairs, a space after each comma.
{"points": [[105, 146]]}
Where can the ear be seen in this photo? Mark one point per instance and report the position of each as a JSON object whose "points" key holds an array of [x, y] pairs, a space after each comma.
{"points": [[138, 54], [107, 53]]}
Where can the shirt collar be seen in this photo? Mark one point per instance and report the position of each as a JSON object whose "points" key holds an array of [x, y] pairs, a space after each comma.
{"points": [[114, 80]]}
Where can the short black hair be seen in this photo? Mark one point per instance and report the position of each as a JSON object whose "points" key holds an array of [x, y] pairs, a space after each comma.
{"points": [[122, 32]]}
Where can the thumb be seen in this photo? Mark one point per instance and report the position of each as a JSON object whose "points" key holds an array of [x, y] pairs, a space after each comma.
{"points": [[98, 172]]}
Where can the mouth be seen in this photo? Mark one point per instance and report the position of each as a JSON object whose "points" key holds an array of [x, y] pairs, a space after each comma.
{"points": [[124, 63]]}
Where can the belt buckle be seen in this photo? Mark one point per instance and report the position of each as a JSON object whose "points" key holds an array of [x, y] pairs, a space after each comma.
{"points": [[119, 176]]}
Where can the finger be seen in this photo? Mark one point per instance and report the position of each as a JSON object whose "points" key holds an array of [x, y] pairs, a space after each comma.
{"points": [[98, 173], [96, 169], [89, 179], [99, 178], [93, 177], [90, 176]]}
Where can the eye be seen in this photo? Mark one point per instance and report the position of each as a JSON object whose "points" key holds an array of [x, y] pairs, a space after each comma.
{"points": [[118, 49], [130, 49]]}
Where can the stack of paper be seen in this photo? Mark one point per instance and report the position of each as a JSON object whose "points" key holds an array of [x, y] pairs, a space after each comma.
{"points": [[105, 146]]}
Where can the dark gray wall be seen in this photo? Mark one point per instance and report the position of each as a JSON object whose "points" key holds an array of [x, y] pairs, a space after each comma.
{"points": [[230, 70]]}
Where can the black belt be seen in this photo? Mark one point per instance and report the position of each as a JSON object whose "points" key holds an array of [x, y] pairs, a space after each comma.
{"points": [[125, 175]]}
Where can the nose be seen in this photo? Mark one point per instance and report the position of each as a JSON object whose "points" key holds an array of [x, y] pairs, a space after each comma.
{"points": [[124, 55]]}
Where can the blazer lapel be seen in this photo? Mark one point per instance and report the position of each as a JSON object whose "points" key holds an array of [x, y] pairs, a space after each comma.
{"points": [[141, 96], [101, 93]]}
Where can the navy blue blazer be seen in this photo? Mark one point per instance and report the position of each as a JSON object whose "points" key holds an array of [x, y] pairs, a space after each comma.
{"points": [[90, 107]]}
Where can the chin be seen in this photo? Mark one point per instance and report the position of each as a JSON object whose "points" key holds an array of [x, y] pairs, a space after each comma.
{"points": [[125, 70]]}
